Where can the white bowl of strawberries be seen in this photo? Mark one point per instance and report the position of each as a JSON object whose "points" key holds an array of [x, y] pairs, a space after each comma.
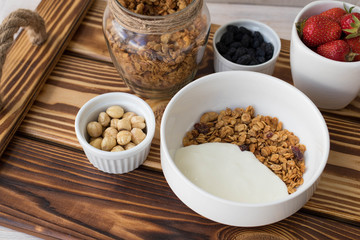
{"points": [[325, 53]]}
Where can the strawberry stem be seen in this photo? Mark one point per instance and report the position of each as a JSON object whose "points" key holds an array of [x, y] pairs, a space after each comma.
{"points": [[350, 57], [300, 26], [348, 10], [355, 28]]}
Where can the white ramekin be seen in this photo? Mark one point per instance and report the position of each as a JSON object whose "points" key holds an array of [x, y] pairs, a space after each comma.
{"points": [[115, 162]]}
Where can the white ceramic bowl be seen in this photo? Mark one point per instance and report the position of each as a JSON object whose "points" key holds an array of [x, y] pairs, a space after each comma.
{"points": [[269, 35], [329, 84], [115, 162], [269, 96]]}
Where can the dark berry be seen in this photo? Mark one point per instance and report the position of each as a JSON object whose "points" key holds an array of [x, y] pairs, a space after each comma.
{"points": [[238, 36], [241, 51], [257, 36], [260, 52], [252, 52], [227, 56], [202, 128], [227, 38], [269, 134], [269, 50], [253, 62], [221, 47], [245, 31], [297, 153], [232, 28], [235, 44], [261, 59], [244, 147], [255, 43], [244, 60], [245, 41], [232, 51]]}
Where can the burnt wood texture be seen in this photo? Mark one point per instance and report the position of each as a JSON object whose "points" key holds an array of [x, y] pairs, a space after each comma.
{"points": [[49, 188]]}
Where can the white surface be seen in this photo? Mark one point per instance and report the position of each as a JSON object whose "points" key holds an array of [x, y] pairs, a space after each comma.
{"points": [[280, 18], [269, 35], [330, 84], [233, 89], [8, 6]]}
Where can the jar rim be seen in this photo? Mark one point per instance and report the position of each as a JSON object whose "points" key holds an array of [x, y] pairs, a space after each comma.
{"points": [[157, 17], [141, 23]]}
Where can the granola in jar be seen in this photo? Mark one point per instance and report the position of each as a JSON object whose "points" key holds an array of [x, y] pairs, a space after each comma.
{"points": [[156, 45]]}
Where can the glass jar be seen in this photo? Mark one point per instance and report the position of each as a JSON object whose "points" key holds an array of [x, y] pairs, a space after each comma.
{"points": [[156, 55]]}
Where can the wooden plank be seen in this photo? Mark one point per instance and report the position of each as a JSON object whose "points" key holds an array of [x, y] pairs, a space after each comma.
{"points": [[27, 67], [33, 164], [85, 70], [56, 193]]}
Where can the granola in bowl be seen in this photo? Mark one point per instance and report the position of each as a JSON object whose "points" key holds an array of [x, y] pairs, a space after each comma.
{"points": [[277, 148]]}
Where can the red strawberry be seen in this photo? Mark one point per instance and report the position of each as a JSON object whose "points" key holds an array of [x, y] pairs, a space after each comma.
{"points": [[334, 13], [350, 24], [354, 44], [337, 50], [318, 30]]}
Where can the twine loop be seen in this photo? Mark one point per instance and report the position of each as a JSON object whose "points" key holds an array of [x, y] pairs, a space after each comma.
{"points": [[31, 21], [155, 24]]}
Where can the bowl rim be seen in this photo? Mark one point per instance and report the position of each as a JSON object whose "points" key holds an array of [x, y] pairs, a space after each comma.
{"points": [[256, 23], [150, 125], [212, 77], [295, 36]]}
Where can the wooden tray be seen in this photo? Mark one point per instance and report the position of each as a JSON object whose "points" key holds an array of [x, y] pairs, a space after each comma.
{"points": [[48, 187], [27, 67]]}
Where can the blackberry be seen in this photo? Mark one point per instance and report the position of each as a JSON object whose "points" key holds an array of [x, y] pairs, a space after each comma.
{"points": [[227, 38], [236, 45], [245, 41], [244, 60], [221, 47]]}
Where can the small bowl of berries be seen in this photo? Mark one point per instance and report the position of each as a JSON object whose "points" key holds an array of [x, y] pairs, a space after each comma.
{"points": [[246, 44], [325, 53]]}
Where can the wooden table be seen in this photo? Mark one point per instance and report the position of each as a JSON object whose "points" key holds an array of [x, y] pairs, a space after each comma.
{"points": [[50, 190]]}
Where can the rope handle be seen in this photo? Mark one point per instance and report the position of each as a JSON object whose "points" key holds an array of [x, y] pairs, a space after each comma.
{"points": [[31, 21]]}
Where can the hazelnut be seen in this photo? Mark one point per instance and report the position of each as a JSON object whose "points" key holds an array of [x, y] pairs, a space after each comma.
{"points": [[110, 131], [108, 143], [128, 115], [115, 111], [137, 135], [138, 122], [96, 142], [130, 145], [124, 124], [94, 129], [117, 148], [123, 137], [104, 119], [114, 122]]}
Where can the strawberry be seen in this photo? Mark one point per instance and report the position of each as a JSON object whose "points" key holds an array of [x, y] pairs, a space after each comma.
{"points": [[334, 13], [354, 44], [350, 24], [337, 50], [318, 30]]}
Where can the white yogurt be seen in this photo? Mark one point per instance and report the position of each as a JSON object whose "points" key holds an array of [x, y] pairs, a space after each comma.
{"points": [[223, 170]]}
